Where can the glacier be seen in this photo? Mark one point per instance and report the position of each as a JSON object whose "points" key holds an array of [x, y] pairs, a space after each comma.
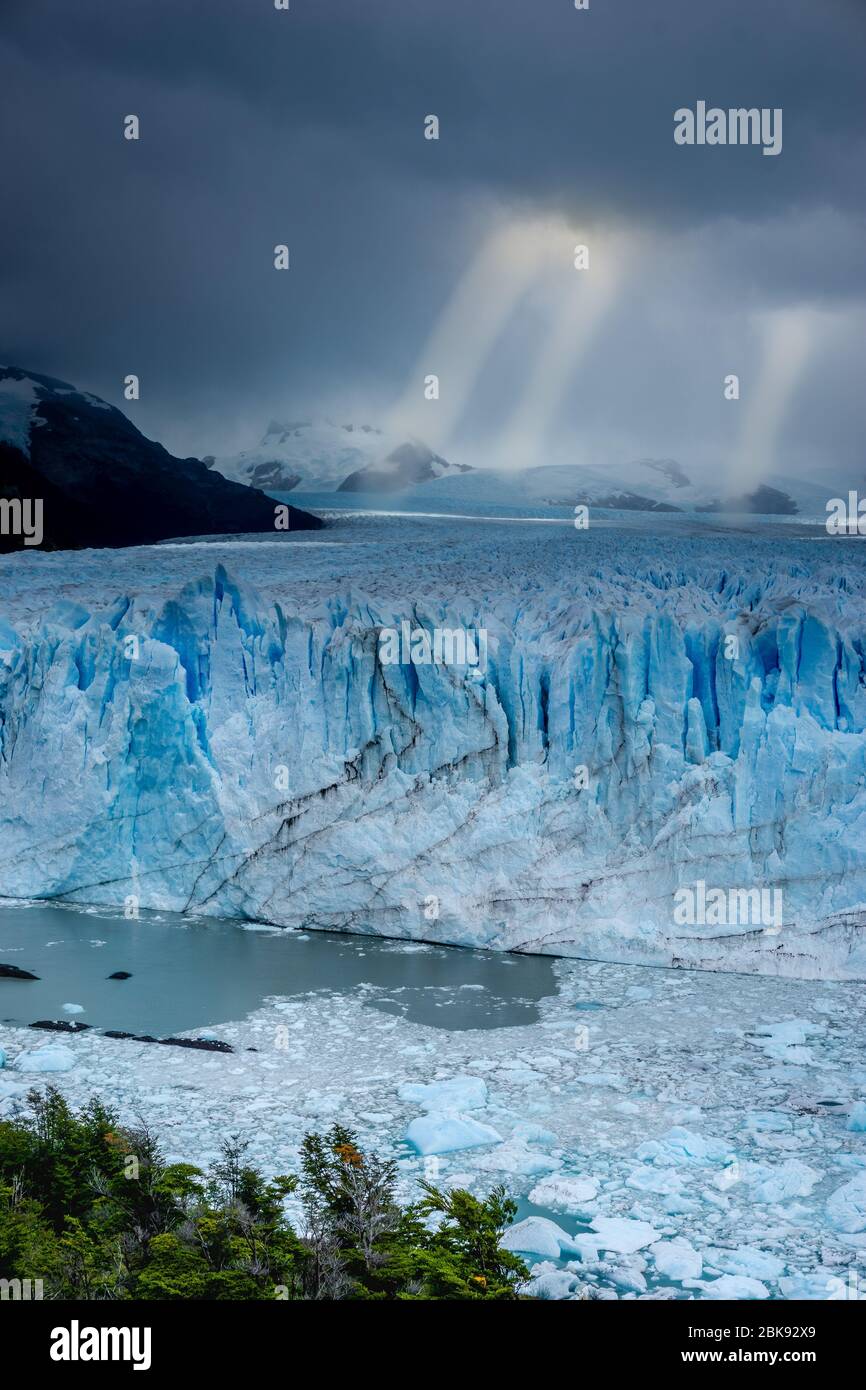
{"points": [[207, 728]]}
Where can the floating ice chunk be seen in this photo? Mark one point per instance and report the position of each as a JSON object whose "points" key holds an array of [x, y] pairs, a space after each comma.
{"points": [[857, 1117], [823, 1283], [587, 1245], [623, 1235], [551, 1283], [677, 1259], [626, 1274], [790, 1179], [458, 1093], [852, 1162], [729, 1286], [767, 1121], [52, 1058], [677, 1205], [792, 1056], [785, 1042], [691, 1115], [515, 1157], [538, 1235], [666, 1181], [755, 1264], [564, 1192], [681, 1146], [611, 1079], [530, 1133], [442, 1133], [846, 1207], [791, 1032], [73, 1008], [9, 1089], [556, 1283]]}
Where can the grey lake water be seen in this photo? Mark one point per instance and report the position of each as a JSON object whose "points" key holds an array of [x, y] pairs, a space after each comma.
{"points": [[187, 973]]}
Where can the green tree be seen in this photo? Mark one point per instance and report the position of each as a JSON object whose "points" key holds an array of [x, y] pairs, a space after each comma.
{"points": [[93, 1210]]}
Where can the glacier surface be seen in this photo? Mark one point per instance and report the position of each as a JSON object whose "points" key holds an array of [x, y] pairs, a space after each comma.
{"points": [[207, 727]]}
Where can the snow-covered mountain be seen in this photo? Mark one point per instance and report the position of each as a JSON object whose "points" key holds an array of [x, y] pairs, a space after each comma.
{"points": [[405, 466], [644, 485], [257, 757], [101, 483], [313, 454], [320, 456]]}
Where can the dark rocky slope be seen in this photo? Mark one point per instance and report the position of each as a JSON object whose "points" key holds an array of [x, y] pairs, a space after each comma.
{"points": [[102, 483]]}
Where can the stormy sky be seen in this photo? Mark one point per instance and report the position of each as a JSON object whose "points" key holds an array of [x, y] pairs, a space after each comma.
{"points": [[411, 256]]}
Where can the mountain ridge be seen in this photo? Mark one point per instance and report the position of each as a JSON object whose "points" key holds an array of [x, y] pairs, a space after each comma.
{"points": [[101, 482], [321, 455]]}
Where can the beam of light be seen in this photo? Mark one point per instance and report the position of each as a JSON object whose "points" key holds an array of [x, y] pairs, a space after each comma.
{"points": [[788, 341], [472, 320], [584, 299]]}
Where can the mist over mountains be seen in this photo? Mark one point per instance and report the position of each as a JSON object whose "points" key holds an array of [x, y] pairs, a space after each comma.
{"points": [[321, 456]]}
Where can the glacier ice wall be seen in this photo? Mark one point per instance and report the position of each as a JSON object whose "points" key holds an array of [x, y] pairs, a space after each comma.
{"points": [[207, 750]]}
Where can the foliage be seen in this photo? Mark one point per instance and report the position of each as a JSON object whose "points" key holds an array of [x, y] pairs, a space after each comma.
{"points": [[95, 1212]]}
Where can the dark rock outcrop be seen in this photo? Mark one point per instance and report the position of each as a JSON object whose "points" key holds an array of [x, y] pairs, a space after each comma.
{"points": [[408, 464], [101, 483], [59, 1025], [202, 1044], [764, 501], [14, 972]]}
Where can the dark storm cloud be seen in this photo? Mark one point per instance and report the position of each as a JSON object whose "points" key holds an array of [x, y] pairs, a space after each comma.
{"points": [[305, 127], [534, 97]]}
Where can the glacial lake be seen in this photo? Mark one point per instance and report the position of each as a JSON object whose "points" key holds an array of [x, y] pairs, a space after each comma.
{"points": [[189, 973]]}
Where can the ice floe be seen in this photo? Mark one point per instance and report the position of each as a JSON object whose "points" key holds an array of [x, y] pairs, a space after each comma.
{"points": [[686, 1195]]}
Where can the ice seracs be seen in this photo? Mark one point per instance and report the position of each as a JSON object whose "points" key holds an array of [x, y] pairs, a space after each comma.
{"points": [[222, 737]]}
